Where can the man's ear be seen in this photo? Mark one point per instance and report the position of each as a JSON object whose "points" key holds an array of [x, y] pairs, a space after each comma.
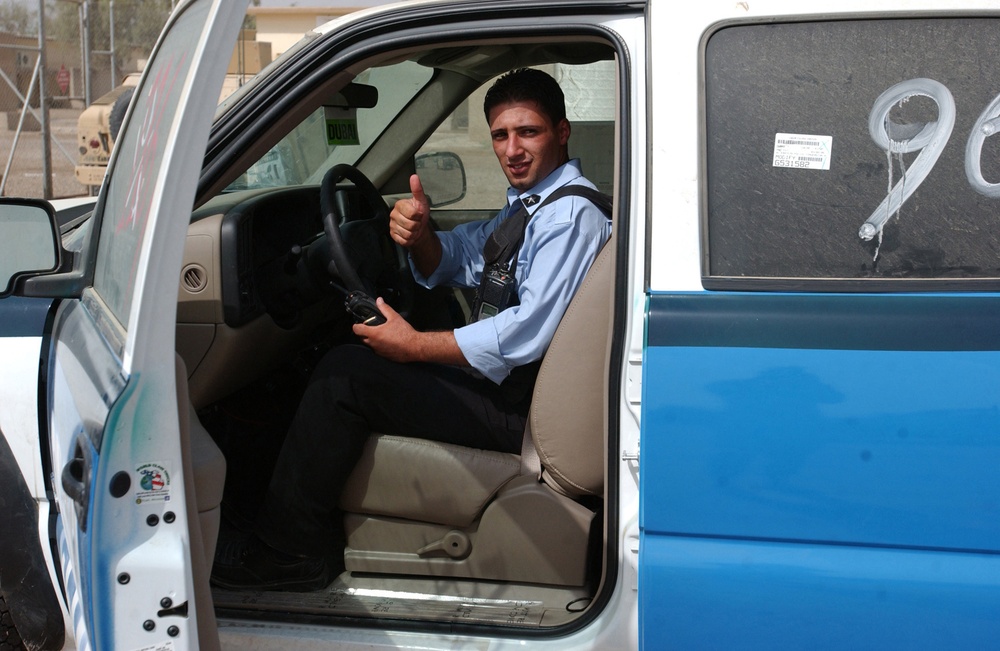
{"points": [[563, 130]]}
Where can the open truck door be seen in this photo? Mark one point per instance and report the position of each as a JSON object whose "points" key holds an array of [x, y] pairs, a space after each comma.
{"points": [[124, 533]]}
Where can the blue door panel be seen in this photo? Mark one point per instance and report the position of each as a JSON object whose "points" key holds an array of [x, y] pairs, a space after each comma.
{"points": [[24, 317], [809, 460], [730, 594], [888, 435], [872, 447]]}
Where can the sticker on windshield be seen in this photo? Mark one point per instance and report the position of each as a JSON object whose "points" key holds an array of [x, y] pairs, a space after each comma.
{"points": [[153, 483], [341, 126], [269, 171], [802, 151]]}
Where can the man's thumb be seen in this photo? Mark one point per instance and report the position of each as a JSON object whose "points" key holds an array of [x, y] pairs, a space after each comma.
{"points": [[417, 188]]}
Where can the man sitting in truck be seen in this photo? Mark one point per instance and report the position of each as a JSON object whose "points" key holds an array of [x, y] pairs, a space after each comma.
{"points": [[470, 386]]}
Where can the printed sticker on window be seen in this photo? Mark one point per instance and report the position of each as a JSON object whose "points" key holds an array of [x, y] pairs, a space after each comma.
{"points": [[341, 126], [802, 151]]}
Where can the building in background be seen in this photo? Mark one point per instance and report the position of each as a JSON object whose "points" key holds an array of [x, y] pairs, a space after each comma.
{"points": [[282, 25]]}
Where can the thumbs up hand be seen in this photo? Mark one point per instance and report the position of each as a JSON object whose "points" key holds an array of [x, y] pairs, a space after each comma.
{"points": [[408, 221]]}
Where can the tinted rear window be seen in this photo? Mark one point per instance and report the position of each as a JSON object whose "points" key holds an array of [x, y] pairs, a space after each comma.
{"points": [[794, 171]]}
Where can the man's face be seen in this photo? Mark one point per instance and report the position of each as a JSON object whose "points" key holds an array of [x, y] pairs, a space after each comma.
{"points": [[527, 144]]}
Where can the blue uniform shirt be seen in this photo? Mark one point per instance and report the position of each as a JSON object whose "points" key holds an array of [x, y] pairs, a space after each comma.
{"points": [[561, 242]]}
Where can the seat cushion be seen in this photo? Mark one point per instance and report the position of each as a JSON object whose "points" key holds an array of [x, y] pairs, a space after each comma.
{"points": [[426, 480]]}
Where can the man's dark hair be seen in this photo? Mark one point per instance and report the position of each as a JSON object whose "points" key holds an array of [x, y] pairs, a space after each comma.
{"points": [[527, 85]]}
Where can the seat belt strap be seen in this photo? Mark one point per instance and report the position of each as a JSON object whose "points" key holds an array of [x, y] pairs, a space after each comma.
{"points": [[506, 239], [498, 285]]}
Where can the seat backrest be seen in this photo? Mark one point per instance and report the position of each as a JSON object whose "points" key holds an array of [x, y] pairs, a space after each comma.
{"points": [[568, 417]]}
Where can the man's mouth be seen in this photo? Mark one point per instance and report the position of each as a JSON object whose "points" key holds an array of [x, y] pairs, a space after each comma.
{"points": [[518, 169]]}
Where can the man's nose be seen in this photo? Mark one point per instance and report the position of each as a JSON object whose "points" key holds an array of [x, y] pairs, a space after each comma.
{"points": [[514, 148]]}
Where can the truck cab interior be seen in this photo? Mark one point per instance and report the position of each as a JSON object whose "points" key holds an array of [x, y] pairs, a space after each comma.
{"points": [[435, 532]]}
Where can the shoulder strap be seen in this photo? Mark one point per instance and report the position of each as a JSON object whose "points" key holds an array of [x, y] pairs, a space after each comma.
{"points": [[504, 242], [596, 197]]}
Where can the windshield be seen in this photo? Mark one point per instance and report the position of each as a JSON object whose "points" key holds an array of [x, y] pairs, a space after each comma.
{"points": [[333, 135]]}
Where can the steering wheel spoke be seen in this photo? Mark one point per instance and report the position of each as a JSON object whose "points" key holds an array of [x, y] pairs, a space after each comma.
{"points": [[363, 255]]}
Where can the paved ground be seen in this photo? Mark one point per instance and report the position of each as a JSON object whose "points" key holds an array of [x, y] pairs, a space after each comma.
{"points": [[25, 176]]}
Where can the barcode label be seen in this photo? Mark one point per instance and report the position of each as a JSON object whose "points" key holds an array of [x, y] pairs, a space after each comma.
{"points": [[802, 151]]}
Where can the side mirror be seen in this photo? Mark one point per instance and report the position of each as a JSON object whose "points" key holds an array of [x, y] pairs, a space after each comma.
{"points": [[443, 177], [29, 240]]}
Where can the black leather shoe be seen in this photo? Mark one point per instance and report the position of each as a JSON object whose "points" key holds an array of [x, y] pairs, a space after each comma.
{"points": [[250, 564]]}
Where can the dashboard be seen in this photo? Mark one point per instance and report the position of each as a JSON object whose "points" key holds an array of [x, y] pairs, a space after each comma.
{"points": [[256, 286]]}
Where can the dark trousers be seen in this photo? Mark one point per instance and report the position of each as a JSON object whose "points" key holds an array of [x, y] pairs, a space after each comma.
{"points": [[352, 393]]}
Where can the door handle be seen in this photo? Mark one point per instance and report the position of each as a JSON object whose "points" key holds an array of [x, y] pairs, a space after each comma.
{"points": [[75, 480]]}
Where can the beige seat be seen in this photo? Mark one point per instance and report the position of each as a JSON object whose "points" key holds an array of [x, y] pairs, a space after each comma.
{"points": [[204, 478], [208, 465], [419, 507]]}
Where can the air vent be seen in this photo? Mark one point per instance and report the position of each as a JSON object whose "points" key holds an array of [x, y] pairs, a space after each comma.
{"points": [[194, 278]]}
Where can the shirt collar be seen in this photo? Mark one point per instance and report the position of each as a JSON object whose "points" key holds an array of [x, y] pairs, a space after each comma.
{"points": [[560, 176]]}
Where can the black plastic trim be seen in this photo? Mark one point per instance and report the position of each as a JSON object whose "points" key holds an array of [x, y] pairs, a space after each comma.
{"points": [[46, 354], [825, 321]]}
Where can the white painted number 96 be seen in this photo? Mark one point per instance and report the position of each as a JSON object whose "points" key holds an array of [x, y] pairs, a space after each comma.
{"points": [[929, 139], [984, 127]]}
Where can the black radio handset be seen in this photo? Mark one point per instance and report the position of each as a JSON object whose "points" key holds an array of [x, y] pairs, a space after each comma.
{"points": [[361, 306], [364, 309]]}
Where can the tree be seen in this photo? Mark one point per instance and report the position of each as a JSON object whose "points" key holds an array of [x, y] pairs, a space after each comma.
{"points": [[17, 18], [137, 24]]}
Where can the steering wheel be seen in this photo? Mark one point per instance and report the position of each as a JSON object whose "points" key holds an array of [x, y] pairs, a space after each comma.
{"points": [[363, 255]]}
